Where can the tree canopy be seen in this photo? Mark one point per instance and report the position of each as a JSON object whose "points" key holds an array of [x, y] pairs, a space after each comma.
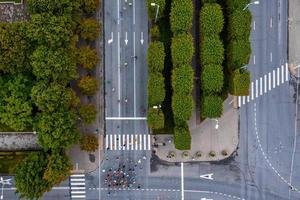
{"points": [[87, 57], [89, 29], [88, 85], [182, 49], [88, 113], [156, 56], [181, 16]]}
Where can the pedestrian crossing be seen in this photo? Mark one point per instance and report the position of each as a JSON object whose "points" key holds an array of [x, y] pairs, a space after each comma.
{"points": [[128, 142], [266, 83], [77, 182]]}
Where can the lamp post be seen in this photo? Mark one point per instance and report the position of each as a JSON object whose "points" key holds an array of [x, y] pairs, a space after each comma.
{"points": [[154, 4], [253, 3], [157, 107]]}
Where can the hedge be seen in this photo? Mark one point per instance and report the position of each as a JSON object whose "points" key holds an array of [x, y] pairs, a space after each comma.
{"points": [[212, 79], [183, 79], [212, 51], [156, 89], [155, 118], [181, 16], [240, 25], [211, 19], [182, 106], [182, 137], [237, 4], [239, 52], [182, 49], [153, 9], [240, 83], [212, 107], [156, 56]]}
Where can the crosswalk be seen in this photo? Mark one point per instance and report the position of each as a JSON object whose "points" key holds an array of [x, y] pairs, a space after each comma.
{"points": [[266, 83], [77, 182], [128, 142]]}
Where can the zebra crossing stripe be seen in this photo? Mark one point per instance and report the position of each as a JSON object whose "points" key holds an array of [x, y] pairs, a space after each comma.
{"points": [[78, 196], [252, 90], [256, 88], [145, 142], [127, 140], [77, 179], [243, 100], [248, 98], [110, 142], [135, 142], [149, 142], [131, 141], [78, 192], [270, 81], [239, 101], [282, 74], [274, 76], [286, 72], [265, 81], [77, 175], [106, 141], [260, 86], [278, 76]]}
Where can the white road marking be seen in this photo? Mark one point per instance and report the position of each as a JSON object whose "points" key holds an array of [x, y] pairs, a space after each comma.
{"points": [[286, 72], [119, 75], [126, 38], [78, 192], [128, 142], [239, 101], [119, 142], [274, 77], [123, 141], [244, 98], [254, 25], [265, 83], [131, 142], [182, 182], [115, 142], [260, 86], [136, 142], [142, 38], [252, 90], [149, 142], [256, 88], [207, 176], [134, 79], [282, 73], [77, 175], [110, 138], [118, 11], [111, 38], [76, 184], [78, 179], [145, 142], [278, 76], [133, 2], [141, 142], [126, 118], [271, 57], [106, 141], [271, 22], [254, 59], [248, 98], [78, 196], [270, 78]]}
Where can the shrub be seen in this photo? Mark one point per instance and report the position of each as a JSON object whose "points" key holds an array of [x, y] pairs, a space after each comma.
{"points": [[153, 9], [211, 19], [239, 4], [89, 142], [240, 25], [156, 89], [240, 83], [89, 29], [212, 107], [182, 137], [182, 106], [88, 113], [155, 57], [182, 80], [181, 16], [212, 51], [155, 118], [182, 49], [90, 6], [154, 32], [87, 57], [239, 52], [88, 85], [212, 79]]}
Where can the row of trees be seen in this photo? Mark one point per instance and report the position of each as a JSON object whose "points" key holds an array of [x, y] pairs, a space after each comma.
{"points": [[239, 47], [212, 57], [182, 51]]}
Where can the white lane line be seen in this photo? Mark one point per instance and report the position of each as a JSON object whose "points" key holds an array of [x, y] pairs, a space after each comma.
{"points": [[127, 142], [115, 142], [131, 142], [254, 25], [274, 77], [282, 73], [119, 75], [271, 22], [134, 84], [244, 98], [126, 38], [270, 78], [118, 11], [110, 140], [149, 142], [286, 72], [256, 88], [133, 2], [265, 83], [254, 59], [278, 76], [126, 118], [271, 57], [106, 142], [145, 142], [119, 142], [182, 182], [252, 90], [239, 101], [260, 86]]}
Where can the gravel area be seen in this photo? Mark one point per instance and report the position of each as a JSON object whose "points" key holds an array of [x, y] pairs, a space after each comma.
{"points": [[18, 141], [10, 12]]}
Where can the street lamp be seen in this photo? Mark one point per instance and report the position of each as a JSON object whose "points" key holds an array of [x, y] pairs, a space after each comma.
{"points": [[157, 107], [253, 3], [154, 4], [217, 124]]}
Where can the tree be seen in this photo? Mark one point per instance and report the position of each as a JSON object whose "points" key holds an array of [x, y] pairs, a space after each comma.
{"points": [[211, 19], [88, 113], [153, 9], [89, 29], [55, 7], [89, 142], [183, 79], [212, 51], [87, 57], [182, 137], [88, 85], [212, 79], [182, 107], [156, 89], [29, 177], [156, 56], [155, 118], [91, 6], [54, 64], [212, 107], [57, 129], [181, 16], [182, 49], [51, 96]]}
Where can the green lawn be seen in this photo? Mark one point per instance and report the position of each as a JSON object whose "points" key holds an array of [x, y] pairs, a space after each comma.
{"points": [[9, 160]]}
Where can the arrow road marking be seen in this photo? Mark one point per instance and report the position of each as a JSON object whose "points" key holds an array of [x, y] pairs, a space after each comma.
{"points": [[126, 40], [142, 38], [207, 176], [111, 38]]}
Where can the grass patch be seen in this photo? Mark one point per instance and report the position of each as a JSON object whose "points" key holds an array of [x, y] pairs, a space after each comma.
{"points": [[9, 160]]}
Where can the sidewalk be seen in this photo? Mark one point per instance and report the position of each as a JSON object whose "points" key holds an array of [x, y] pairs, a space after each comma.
{"points": [[206, 139]]}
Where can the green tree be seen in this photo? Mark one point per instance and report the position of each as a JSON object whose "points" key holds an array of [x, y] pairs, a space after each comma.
{"points": [[57, 129], [57, 65], [88, 113], [156, 89], [211, 19], [55, 7], [87, 57], [155, 118], [182, 137], [89, 29], [153, 9], [212, 79], [156, 56], [88, 85], [183, 79], [49, 97], [182, 49], [181, 16], [212, 51], [182, 106], [212, 107], [90, 6], [89, 143]]}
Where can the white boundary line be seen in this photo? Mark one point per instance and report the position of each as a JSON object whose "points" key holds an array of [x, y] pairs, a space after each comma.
{"points": [[182, 182], [133, 2], [119, 76], [118, 11], [126, 118], [134, 84]]}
